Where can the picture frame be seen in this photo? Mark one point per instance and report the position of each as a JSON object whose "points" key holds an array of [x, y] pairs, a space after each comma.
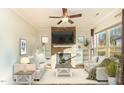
{"points": [[23, 46]]}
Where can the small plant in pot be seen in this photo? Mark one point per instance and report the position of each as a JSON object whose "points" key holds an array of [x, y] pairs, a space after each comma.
{"points": [[111, 70], [86, 43], [62, 61]]}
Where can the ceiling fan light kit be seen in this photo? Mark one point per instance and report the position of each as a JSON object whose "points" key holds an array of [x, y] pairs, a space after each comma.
{"points": [[66, 17]]}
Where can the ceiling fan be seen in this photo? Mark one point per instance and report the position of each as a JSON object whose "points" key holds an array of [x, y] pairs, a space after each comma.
{"points": [[65, 17]]}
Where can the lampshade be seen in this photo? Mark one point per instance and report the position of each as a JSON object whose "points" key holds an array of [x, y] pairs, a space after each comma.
{"points": [[44, 39], [65, 19]]}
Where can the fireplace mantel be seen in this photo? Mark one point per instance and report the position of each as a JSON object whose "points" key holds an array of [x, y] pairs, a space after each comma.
{"points": [[66, 46]]}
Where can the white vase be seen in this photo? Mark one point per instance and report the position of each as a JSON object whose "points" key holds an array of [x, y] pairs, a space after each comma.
{"points": [[112, 80]]}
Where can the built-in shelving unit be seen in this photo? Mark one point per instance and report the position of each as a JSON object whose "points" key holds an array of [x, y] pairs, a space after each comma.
{"points": [[85, 55], [82, 50]]}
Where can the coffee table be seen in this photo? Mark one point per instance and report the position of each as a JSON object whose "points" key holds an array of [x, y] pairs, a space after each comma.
{"points": [[63, 69]]}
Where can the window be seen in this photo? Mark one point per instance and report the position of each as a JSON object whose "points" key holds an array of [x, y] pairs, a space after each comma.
{"points": [[108, 42]]}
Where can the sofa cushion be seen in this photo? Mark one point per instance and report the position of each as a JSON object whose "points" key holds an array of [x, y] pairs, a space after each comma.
{"points": [[18, 67], [30, 67], [24, 67], [39, 57]]}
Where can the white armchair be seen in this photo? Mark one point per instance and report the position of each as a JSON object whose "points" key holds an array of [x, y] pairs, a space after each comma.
{"points": [[101, 74], [96, 60]]}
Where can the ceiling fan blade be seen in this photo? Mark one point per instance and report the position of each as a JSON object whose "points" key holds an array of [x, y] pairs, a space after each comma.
{"points": [[76, 15], [64, 11], [59, 22], [70, 21], [54, 17]]}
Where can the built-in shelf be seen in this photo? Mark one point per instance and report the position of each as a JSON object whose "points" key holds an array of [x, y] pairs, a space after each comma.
{"points": [[85, 55]]}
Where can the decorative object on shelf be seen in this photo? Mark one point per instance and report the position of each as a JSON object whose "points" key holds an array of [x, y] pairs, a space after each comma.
{"points": [[23, 46], [86, 42]]}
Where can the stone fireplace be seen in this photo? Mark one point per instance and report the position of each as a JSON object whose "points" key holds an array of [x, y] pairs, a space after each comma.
{"points": [[61, 47]]}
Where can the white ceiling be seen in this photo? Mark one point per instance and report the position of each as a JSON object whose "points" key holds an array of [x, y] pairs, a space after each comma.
{"points": [[39, 17]]}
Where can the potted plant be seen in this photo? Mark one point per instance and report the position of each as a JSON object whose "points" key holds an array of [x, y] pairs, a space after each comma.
{"points": [[62, 61], [86, 43], [111, 69]]}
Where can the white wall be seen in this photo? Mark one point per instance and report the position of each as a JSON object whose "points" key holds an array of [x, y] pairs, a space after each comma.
{"points": [[109, 20], [12, 28]]}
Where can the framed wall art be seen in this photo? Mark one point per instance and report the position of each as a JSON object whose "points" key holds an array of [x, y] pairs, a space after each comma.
{"points": [[23, 46]]}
